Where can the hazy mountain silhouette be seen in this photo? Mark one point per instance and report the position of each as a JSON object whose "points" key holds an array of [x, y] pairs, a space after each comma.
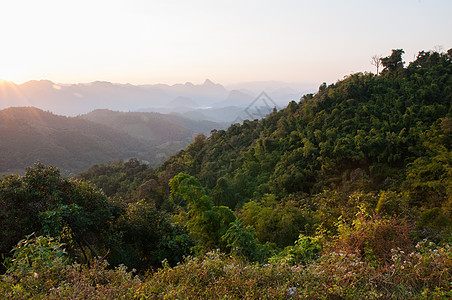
{"points": [[204, 94], [280, 92], [236, 98], [151, 126], [71, 100], [182, 103], [76, 99], [225, 115]]}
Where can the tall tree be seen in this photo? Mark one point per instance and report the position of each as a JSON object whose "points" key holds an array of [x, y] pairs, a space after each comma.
{"points": [[207, 223], [393, 62]]}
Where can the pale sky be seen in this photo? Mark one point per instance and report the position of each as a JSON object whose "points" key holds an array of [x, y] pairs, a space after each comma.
{"points": [[146, 42]]}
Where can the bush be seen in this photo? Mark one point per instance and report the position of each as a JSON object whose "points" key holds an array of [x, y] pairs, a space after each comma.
{"points": [[304, 251], [372, 237], [40, 269], [35, 266], [215, 276]]}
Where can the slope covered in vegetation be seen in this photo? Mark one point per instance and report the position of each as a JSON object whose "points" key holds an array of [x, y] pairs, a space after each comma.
{"points": [[29, 134], [346, 194], [74, 144], [386, 136], [160, 128]]}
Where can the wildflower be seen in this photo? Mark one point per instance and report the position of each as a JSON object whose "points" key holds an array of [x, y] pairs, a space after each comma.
{"points": [[291, 291]]}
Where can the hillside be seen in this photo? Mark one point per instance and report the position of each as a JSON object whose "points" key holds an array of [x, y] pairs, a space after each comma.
{"points": [[159, 128], [366, 128], [29, 134], [366, 134], [346, 194], [73, 144]]}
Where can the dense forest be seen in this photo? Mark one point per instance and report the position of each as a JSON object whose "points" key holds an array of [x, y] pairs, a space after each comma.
{"points": [[346, 194]]}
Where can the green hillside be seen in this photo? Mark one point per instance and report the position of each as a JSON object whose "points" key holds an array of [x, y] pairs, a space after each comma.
{"points": [[365, 133], [29, 134], [346, 194], [73, 144]]}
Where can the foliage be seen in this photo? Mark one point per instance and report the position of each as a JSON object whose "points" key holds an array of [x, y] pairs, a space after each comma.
{"points": [[373, 237], [243, 243], [408, 275], [422, 273], [365, 134], [218, 276], [304, 251], [42, 201], [206, 222], [429, 178], [40, 269], [37, 262], [353, 182], [393, 62], [425, 272], [277, 222], [142, 237], [118, 179]]}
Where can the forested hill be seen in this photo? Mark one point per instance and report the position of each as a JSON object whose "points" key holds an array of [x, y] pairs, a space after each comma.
{"points": [[156, 127], [346, 194], [73, 144], [365, 133], [366, 125], [29, 134], [379, 131]]}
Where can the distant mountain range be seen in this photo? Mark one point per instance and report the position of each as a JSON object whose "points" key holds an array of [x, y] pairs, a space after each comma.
{"points": [[73, 126], [73, 144], [203, 101]]}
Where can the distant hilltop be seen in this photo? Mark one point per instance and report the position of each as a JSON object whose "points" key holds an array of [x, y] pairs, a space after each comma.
{"points": [[73, 144], [75, 99]]}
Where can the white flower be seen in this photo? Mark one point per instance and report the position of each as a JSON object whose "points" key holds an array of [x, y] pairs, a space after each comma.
{"points": [[291, 291]]}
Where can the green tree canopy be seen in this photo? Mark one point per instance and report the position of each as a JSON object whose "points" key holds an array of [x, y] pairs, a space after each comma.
{"points": [[43, 202]]}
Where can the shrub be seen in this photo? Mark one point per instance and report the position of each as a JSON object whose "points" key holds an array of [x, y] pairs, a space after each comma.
{"points": [[39, 269], [35, 266], [304, 251], [372, 237], [215, 276]]}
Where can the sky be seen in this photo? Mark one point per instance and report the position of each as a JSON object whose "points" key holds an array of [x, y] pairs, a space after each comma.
{"points": [[148, 42]]}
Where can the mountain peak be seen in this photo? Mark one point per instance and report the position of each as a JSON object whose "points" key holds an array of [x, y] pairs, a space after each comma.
{"points": [[42, 82], [208, 82]]}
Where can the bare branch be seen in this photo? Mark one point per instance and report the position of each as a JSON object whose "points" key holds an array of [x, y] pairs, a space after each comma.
{"points": [[438, 48], [376, 61]]}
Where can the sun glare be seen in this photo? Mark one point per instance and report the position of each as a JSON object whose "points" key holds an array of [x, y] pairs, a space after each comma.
{"points": [[10, 91], [9, 76], [4, 83]]}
